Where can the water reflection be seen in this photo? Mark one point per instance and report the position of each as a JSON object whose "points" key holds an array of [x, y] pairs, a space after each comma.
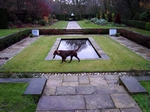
{"points": [[85, 52], [74, 44]]}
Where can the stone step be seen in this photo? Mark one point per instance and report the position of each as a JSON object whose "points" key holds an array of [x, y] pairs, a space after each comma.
{"points": [[143, 78], [85, 90], [75, 102], [132, 85], [86, 98], [14, 80], [36, 86]]}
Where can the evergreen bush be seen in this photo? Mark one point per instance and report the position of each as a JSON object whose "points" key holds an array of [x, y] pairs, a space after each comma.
{"points": [[94, 20], [147, 26], [137, 24], [3, 19], [118, 19], [42, 22], [101, 22]]}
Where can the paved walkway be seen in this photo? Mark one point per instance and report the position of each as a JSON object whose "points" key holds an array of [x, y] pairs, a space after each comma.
{"points": [[73, 25], [86, 92], [13, 50]]}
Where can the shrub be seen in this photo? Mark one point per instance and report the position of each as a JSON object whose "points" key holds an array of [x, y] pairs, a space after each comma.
{"points": [[29, 20], [117, 34], [31, 35], [109, 17], [42, 22], [106, 16], [118, 19], [147, 26], [113, 17], [101, 22], [10, 24], [18, 23], [93, 20], [13, 38]]}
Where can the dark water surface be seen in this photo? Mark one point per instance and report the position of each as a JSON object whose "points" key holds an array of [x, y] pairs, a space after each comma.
{"points": [[85, 52]]}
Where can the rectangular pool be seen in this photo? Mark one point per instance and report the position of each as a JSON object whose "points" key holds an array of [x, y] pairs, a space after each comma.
{"points": [[89, 50], [86, 50]]}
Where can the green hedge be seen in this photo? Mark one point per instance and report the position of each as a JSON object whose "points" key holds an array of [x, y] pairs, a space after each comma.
{"points": [[96, 31], [136, 37], [8, 40], [65, 17], [72, 31], [3, 18], [137, 24]]}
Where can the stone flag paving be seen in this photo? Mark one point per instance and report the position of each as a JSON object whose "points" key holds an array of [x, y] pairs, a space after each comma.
{"points": [[85, 93]]}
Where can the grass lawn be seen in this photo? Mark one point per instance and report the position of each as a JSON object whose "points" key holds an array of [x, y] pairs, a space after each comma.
{"points": [[85, 25], [32, 59], [4, 32], [144, 32], [92, 25], [143, 100], [59, 25], [12, 100]]}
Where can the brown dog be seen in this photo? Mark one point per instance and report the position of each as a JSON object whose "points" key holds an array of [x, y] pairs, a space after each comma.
{"points": [[65, 53]]}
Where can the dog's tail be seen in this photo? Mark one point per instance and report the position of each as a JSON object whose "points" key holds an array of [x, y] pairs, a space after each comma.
{"points": [[78, 48]]}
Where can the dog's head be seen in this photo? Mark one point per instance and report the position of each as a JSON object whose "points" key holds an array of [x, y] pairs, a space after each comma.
{"points": [[56, 52]]}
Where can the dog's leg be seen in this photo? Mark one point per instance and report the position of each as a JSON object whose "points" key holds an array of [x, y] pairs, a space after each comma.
{"points": [[75, 55], [70, 59], [63, 59], [77, 58]]}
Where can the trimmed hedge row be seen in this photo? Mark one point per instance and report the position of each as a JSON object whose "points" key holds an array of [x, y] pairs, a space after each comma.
{"points": [[96, 31], [72, 31], [137, 24], [136, 37], [8, 40], [51, 31]]}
